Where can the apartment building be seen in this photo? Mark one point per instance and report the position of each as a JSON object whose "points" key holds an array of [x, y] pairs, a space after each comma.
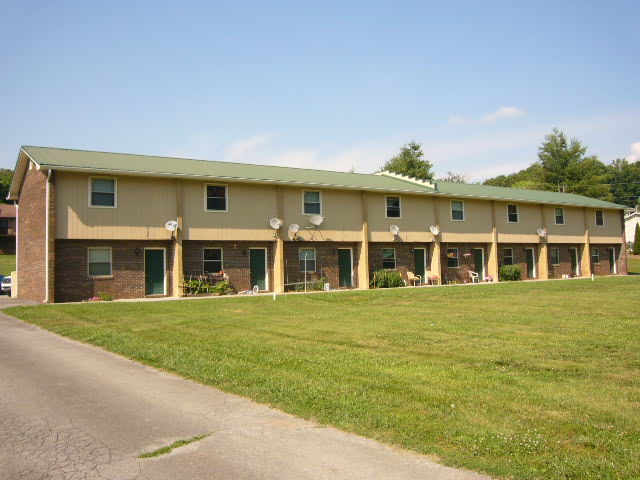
{"points": [[95, 222]]}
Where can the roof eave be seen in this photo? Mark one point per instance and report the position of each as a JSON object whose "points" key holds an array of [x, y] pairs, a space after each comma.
{"points": [[19, 171]]}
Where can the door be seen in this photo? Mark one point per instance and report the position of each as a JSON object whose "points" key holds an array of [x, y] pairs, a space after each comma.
{"points": [[345, 267], [574, 262], [419, 258], [258, 267], [531, 262], [154, 271], [613, 269], [478, 262]]}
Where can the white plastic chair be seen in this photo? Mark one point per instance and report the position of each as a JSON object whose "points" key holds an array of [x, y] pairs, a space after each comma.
{"points": [[475, 278]]}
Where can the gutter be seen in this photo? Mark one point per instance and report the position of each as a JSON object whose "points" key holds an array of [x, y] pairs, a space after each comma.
{"points": [[46, 236]]}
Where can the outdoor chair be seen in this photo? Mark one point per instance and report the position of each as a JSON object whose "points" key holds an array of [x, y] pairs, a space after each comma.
{"points": [[413, 278], [475, 278]]}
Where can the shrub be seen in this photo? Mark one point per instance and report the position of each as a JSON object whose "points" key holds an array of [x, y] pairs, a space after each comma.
{"points": [[386, 279], [315, 285], [223, 288], [509, 273], [104, 297], [636, 242]]}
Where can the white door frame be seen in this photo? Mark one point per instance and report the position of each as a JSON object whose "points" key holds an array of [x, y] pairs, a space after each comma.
{"points": [[615, 263], [351, 256], [484, 270], [533, 254], [266, 266], [424, 259], [164, 268], [571, 250]]}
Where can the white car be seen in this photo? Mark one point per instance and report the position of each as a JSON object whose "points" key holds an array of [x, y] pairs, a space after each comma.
{"points": [[5, 287]]}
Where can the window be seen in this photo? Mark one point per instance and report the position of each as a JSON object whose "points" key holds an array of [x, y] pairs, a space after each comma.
{"points": [[512, 213], [212, 260], [559, 216], [599, 218], [312, 204], [457, 210], [555, 256], [102, 192], [389, 258], [4, 226], [307, 258], [595, 255], [99, 262], [393, 207], [216, 198], [507, 256], [452, 258]]}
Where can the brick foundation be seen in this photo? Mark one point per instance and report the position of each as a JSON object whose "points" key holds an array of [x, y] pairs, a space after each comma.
{"points": [[72, 281], [326, 262], [461, 273], [603, 267], [519, 257], [405, 261]]}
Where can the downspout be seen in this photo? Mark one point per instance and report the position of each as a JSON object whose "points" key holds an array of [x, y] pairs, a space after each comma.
{"points": [[46, 236], [14, 281]]}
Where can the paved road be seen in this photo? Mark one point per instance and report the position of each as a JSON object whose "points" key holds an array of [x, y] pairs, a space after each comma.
{"points": [[73, 411]]}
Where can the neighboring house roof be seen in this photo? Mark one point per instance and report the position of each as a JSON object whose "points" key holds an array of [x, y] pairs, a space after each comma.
{"points": [[7, 211], [103, 162]]}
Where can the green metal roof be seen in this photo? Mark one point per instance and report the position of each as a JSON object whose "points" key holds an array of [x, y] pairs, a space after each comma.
{"points": [[83, 160]]}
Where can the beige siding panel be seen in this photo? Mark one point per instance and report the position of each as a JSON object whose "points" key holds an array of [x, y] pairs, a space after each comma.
{"points": [[476, 227], [612, 228], [417, 214], [517, 238], [573, 229], [341, 210], [250, 206], [143, 207]]}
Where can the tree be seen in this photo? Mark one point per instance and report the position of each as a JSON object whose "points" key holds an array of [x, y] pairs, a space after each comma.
{"points": [[454, 178], [636, 241], [625, 181], [6, 176], [410, 162]]}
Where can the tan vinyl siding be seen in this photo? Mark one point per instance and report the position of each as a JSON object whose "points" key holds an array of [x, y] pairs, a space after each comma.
{"points": [[417, 214], [573, 229], [477, 224], [143, 207], [529, 220], [610, 232]]}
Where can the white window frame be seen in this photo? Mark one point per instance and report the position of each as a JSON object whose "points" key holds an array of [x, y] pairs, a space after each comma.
{"points": [[399, 207], [457, 257], [597, 254], [221, 258], [555, 217], [115, 191], [319, 192], [551, 256], [395, 259], [300, 259], [503, 255], [517, 212], [110, 262], [451, 211], [226, 197], [595, 219]]}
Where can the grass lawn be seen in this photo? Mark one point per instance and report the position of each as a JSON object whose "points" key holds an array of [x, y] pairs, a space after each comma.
{"points": [[7, 264], [633, 264], [519, 380]]}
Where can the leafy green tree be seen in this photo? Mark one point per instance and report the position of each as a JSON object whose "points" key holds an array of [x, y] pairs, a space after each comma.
{"points": [[625, 181], [636, 241], [454, 178], [6, 176], [410, 162]]}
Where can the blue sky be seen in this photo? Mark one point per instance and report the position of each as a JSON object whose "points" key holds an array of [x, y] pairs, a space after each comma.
{"points": [[329, 85]]}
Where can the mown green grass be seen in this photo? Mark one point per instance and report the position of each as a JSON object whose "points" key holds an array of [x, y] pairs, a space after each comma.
{"points": [[519, 380], [633, 264], [7, 264]]}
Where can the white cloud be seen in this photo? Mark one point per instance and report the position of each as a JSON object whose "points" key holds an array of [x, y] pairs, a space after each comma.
{"points": [[241, 148], [635, 152], [455, 121], [503, 112]]}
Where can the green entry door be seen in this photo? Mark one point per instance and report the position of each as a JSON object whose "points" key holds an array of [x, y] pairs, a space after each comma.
{"points": [[344, 267], [258, 267], [418, 259], [154, 272], [478, 262], [531, 265]]}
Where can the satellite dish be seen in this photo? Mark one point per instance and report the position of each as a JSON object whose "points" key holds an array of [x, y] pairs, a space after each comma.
{"points": [[275, 223], [394, 229], [171, 225], [294, 228], [316, 219], [541, 232], [435, 230]]}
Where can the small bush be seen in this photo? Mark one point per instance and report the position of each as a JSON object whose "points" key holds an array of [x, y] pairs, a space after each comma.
{"points": [[104, 297], [315, 285], [509, 273], [223, 288], [386, 279]]}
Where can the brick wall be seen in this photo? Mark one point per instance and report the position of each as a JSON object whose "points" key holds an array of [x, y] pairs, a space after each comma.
{"points": [[72, 281], [31, 239], [235, 260], [326, 261], [405, 261], [519, 257], [602, 268], [564, 267], [461, 273]]}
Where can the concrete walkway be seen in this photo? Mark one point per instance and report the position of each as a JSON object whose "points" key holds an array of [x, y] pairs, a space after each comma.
{"points": [[73, 411]]}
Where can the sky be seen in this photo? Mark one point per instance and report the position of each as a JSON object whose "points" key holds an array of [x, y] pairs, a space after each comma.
{"points": [[328, 85]]}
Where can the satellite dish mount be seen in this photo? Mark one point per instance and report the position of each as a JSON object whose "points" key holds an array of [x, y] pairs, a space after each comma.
{"points": [[395, 230]]}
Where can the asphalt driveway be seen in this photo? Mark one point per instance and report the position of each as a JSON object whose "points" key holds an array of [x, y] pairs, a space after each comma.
{"points": [[73, 411]]}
